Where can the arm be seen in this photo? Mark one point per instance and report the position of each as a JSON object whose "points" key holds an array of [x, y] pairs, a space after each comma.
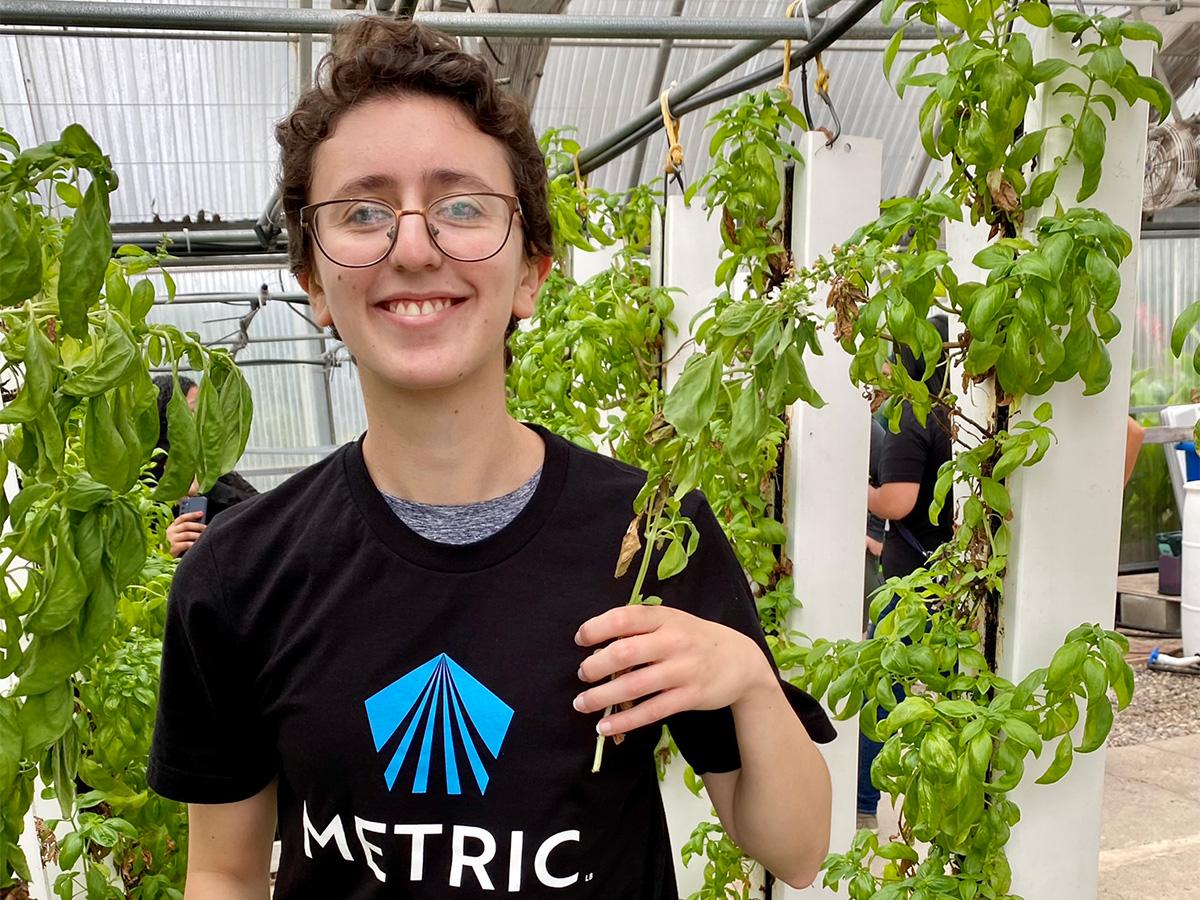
{"points": [[1134, 435], [893, 500], [229, 848], [777, 806]]}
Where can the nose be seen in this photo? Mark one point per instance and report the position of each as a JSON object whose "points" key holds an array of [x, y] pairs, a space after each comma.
{"points": [[414, 248]]}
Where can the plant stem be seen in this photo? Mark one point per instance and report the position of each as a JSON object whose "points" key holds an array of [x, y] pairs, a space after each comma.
{"points": [[634, 598]]}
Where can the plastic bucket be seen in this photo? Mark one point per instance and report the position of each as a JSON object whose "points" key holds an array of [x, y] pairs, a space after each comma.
{"points": [[1189, 612], [1191, 460]]}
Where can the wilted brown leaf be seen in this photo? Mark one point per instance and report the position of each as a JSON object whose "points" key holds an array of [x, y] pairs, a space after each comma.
{"points": [[630, 544]]}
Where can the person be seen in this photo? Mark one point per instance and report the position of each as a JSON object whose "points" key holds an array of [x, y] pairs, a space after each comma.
{"points": [[876, 527], [1135, 436], [229, 490], [908, 470], [405, 652]]}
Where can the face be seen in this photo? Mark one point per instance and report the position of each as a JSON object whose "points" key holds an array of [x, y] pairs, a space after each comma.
{"points": [[417, 319]]}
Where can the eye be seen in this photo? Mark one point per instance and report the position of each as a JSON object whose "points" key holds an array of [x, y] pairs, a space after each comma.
{"points": [[368, 215], [459, 210]]}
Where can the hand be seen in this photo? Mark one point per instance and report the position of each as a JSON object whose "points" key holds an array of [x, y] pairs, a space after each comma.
{"points": [[184, 532], [675, 660]]}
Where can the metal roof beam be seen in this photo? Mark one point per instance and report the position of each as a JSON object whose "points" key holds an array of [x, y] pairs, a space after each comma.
{"points": [[122, 15]]}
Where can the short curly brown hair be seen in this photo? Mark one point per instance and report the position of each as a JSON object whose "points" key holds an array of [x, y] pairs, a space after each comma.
{"points": [[376, 57]]}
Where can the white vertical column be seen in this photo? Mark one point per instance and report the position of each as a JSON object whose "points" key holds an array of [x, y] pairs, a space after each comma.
{"points": [[826, 458], [689, 245], [963, 241], [1063, 562], [586, 264]]}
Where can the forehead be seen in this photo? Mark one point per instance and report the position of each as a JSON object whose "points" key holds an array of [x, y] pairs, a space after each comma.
{"points": [[414, 142]]}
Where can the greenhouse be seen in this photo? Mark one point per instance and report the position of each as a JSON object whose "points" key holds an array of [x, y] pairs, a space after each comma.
{"points": [[615, 449]]}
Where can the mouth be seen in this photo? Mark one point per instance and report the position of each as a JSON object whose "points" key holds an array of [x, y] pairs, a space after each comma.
{"points": [[418, 307]]}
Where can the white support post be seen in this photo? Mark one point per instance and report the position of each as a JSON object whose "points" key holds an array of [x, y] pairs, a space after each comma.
{"points": [[689, 245], [977, 401], [826, 459], [1063, 562]]}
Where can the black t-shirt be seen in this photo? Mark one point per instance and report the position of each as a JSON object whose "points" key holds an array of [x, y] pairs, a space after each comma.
{"points": [[914, 455], [414, 698]]}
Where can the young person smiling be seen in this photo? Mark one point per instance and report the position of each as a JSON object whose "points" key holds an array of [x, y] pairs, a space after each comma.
{"points": [[402, 655]]}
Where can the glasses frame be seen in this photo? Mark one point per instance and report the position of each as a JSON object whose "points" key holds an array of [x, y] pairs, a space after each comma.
{"points": [[308, 223]]}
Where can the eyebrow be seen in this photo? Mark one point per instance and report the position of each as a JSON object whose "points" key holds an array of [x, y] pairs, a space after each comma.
{"points": [[449, 178]]}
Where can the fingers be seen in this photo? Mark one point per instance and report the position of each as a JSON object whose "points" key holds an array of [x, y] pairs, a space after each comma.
{"points": [[189, 517], [180, 529], [632, 686], [621, 655], [648, 712], [622, 621]]}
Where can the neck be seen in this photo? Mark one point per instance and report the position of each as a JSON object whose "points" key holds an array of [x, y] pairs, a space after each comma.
{"points": [[455, 445]]}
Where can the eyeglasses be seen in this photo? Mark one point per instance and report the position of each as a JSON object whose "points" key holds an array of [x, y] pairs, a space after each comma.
{"points": [[357, 233]]}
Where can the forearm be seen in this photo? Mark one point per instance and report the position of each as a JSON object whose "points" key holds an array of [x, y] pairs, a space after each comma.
{"points": [[223, 886], [782, 797]]}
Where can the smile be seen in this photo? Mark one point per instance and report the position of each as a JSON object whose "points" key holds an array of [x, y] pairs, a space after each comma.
{"points": [[416, 309]]}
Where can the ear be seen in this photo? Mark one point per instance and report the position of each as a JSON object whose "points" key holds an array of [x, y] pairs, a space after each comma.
{"points": [[310, 283], [533, 276]]}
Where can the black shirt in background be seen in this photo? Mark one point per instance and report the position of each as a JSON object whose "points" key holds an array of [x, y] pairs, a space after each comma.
{"points": [[914, 455]]}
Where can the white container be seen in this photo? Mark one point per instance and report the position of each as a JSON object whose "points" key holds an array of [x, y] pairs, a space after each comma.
{"points": [[1189, 613]]}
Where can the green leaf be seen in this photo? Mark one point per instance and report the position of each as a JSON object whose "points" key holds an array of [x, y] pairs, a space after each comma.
{"points": [[1153, 91], [1106, 64], [985, 307], [1183, 327], [995, 495], [956, 709], [114, 356], [1035, 14], [85, 255], [887, 10], [1136, 30], [1029, 146], [1043, 412], [40, 359], [67, 587], [1065, 666], [1089, 147], [674, 561], [104, 449], [889, 55], [20, 257], [1097, 724], [1062, 762], [691, 403], [1048, 69], [45, 717], [1041, 188]]}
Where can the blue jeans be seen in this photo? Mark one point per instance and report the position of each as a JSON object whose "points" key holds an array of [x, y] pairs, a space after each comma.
{"points": [[868, 794]]}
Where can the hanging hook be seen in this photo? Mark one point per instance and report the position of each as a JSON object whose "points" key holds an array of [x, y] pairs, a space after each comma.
{"points": [[822, 90], [673, 167]]}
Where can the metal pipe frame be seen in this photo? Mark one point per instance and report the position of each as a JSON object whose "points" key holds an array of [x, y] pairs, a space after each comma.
{"points": [[248, 297], [662, 58], [644, 125], [157, 16], [234, 261]]}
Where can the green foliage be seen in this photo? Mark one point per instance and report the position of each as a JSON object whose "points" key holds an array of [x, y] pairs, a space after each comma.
{"points": [[84, 420]]}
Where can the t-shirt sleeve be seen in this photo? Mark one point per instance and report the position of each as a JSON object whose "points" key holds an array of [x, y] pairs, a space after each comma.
{"points": [[904, 454], [210, 741], [714, 587]]}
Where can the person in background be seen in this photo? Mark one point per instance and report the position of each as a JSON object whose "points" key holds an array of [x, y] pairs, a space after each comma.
{"points": [[1135, 435], [230, 489], [873, 576], [908, 470]]}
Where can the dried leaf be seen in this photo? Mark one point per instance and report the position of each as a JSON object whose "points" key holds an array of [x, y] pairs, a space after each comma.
{"points": [[630, 544]]}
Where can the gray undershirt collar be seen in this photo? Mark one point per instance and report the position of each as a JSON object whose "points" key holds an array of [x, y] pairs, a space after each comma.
{"points": [[463, 523]]}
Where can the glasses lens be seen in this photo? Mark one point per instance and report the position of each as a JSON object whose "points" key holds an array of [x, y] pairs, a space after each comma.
{"points": [[354, 232], [470, 226]]}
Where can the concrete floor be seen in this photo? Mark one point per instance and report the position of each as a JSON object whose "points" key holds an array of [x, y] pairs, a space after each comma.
{"points": [[1150, 835]]}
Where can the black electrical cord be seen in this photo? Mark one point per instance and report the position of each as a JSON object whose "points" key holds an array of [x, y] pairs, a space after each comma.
{"points": [[820, 42], [486, 42], [808, 116]]}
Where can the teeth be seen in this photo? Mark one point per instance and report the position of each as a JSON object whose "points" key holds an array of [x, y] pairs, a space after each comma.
{"points": [[414, 309]]}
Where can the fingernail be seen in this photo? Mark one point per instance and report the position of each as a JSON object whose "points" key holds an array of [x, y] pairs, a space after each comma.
{"points": [[580, 674], [578, 703], [578, 638], [603, 727]]}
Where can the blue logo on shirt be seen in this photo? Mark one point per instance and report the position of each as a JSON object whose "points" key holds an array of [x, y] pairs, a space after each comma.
{"points": [[469, 715]]}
